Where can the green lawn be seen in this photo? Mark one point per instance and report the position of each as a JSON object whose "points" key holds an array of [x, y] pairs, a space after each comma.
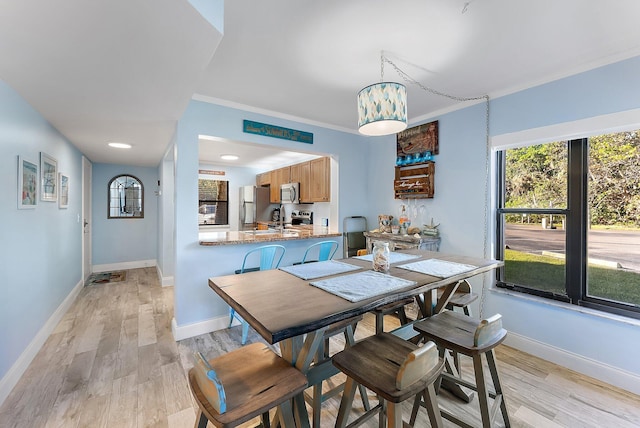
{"points": [[547, 273]]}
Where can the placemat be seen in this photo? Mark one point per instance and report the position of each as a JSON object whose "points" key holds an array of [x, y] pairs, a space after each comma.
{"points": [[439, 268], [319, 269], [362, 285], [393, 257]]}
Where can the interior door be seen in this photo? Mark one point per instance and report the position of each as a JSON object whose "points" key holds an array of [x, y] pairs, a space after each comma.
{"points": [[86, 218]]}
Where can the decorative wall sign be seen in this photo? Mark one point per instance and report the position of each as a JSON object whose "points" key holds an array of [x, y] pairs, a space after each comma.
{"points": [[414, 182], [258, 128], [210, 172], [419, 139], [63, 185], [48, 178], [27, 183]]}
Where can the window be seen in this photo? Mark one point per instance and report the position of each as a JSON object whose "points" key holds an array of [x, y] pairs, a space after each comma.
{"points": [[213, 202], [569, 221], [125, 197]]}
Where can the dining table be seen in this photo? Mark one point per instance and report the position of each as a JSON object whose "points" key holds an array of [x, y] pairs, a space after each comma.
{"points": [[294, 306]]}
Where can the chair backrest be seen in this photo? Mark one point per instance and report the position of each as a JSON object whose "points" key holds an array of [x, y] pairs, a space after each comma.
{"points": [[326, 250], [209, 384], [417, 364], [270, 257], [487, 330]]}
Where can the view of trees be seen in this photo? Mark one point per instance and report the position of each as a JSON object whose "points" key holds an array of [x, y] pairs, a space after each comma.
{"points": [[537, 178]]}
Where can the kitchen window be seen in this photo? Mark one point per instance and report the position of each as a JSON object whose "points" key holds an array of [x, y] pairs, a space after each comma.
{"points": [[213, 202], [569, 221]]}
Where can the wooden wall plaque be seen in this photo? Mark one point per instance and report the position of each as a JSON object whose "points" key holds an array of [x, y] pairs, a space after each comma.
{"points": [[415, 181]]}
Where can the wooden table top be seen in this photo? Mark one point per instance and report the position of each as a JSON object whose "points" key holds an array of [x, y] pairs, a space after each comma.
{"points": [[279, 305]]}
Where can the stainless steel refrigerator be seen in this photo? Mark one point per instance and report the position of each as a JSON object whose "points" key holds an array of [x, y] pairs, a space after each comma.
{"points": [[255, 206]]}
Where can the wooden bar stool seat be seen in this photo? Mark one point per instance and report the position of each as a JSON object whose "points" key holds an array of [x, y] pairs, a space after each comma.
{"points": [[395, 370], [462, 298], [243, 384], [462, 334]]}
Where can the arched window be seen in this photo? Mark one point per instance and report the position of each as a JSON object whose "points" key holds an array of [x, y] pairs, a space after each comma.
{"points": [[126, 197]]}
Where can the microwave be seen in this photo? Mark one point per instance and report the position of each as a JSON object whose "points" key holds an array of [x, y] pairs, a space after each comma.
{"points": [[290, 193]]}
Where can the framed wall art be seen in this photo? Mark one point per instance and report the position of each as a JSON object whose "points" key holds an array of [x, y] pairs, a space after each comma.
{"points": [[419, 139], [63, 185], [27, 183], [48, 178]]}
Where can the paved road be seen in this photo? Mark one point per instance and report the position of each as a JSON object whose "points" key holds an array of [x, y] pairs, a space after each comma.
{"points": [[610, 245]]}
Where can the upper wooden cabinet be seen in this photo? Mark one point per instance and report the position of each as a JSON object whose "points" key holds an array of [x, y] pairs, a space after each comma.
{"points": [[300, 173], [263, 179], [314, 178], [278, 177], [320, 180]]}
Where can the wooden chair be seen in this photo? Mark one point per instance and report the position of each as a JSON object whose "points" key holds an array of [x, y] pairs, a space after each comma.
{"points": [[395, 370], [462, 297], [244, 384], [325, 251], [465, 335], [270, 257]]}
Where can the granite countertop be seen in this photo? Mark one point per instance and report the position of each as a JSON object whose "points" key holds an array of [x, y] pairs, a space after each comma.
{"points": [[247, 237]]}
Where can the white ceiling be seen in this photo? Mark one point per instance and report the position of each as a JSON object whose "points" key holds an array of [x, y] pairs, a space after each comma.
{"points": [[124, 70]]}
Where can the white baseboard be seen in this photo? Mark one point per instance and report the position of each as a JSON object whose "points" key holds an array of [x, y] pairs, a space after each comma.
{"points": [[604, 372], [165, 281], [198, 328], [123, 266], [22, 363]]}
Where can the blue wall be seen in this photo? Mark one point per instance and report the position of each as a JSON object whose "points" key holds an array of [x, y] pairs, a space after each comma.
{"points": [[40, 255], [194, 301], [124, 239]]}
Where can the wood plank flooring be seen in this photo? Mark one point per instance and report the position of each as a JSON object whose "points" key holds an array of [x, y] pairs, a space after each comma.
{"points": [[112, 362]]}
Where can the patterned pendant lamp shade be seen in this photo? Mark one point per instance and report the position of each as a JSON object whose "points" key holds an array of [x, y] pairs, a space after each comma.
{"points": [[382, 109]]}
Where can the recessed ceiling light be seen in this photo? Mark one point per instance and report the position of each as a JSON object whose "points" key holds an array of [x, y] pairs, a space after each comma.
{"points": [[229, 157], [120, 145]]}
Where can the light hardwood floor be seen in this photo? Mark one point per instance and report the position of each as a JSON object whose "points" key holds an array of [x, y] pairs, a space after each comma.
{"points": [[112, 362]]}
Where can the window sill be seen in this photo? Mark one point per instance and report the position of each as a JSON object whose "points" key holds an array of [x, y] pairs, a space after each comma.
{"points": [[567, 306]]}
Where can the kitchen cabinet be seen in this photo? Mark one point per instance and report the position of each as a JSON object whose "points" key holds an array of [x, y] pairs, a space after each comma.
{"points": [[263, 179], [314, 177], [278, 176], [320, 180], [300, 173]]}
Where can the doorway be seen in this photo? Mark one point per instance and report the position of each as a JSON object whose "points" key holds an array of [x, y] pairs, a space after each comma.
{"points": [[86, 218]]}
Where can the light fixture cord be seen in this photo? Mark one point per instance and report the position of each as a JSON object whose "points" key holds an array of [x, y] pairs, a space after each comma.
{"points": [[409, 79]]}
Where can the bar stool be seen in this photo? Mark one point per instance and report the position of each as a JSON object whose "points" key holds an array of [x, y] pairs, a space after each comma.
{"points": [[243, 384], [395, 370], [465, 335], [324, 249]]}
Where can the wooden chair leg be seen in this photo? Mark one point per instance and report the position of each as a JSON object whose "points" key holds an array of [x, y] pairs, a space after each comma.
{"points": [[394, 415], [483, 393], [493, 369], [266, 423], [201, 420], [286, 415], [346, 403]]}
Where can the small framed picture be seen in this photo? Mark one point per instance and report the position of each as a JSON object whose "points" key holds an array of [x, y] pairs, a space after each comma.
{"points": [[48, 178], [63, 185], [27, 183]]}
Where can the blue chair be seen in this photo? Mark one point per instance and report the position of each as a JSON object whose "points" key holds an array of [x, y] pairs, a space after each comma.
{"points": [[270, 258], [326, 250]]}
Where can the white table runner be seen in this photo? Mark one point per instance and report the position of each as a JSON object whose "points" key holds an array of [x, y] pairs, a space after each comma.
{"points": [[439, 268], [319, 269], [362, 285]]}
